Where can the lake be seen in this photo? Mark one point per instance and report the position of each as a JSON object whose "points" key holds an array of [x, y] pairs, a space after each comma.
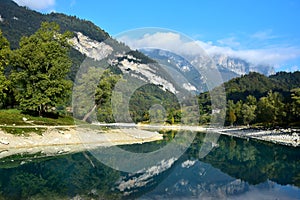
{"points": [[234, 169]]}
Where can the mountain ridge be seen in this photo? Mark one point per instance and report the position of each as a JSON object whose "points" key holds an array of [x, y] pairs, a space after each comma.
{"points": [[17, 21]]}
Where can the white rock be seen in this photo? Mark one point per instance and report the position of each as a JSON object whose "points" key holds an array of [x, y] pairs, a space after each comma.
{"points": [[5, 142], [91, 48]]}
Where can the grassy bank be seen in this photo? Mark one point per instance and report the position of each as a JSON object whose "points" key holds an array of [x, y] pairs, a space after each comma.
{"points": [[13, 117]]}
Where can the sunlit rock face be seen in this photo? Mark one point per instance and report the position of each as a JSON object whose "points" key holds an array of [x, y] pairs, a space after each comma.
{"points": [[91, 48]]}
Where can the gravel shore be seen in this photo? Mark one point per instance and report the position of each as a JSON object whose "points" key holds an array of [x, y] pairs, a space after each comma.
{"points": [[67, 140], [289, 137]]}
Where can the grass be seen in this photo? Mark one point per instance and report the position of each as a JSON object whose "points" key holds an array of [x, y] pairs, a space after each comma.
{"points": [[15, 117], [23, 131]]}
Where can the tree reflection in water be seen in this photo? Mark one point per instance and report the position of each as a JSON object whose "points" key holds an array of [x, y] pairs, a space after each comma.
{"points": [[236, 168]]}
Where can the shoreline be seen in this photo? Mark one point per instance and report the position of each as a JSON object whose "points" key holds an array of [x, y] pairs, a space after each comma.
{"points": [[287, 137], [68, 139]]}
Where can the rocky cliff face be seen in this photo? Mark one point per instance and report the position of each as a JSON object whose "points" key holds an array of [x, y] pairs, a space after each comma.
{"points": [[240, 66], [127, 63], [90, 48]]}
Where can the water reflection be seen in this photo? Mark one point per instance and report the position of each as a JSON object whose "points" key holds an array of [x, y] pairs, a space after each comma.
{"points": [[235, 169]]}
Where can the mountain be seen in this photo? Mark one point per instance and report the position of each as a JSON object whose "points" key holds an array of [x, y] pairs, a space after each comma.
{"points": [[228, 67], [186, 74], [171, 72], [239, 66], [88, 41]]}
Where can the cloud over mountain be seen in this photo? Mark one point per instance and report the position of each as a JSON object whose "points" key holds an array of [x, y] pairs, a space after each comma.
{"points": [[270, 55]]}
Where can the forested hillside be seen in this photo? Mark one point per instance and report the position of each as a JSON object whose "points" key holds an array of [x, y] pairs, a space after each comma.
{"points": [[18, 22], [257, 99]]}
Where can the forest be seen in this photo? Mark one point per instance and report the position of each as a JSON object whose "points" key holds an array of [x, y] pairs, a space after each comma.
{"points": [[260, 100]]}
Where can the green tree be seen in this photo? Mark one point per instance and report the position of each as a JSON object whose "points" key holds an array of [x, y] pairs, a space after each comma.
{"points": [[249, 109], [248, 112], [231, 112], [84, 92], [251, 100], [238, 112], [103, 95], [4, 62], [295, 106], [270, 109], [296, 95], [42, 64]]}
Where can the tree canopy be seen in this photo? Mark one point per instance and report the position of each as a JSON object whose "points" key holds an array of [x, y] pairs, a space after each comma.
{"points": [[257, 99], [4, 62], [41, 66]]}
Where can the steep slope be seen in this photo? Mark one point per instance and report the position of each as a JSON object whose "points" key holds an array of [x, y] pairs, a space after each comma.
{"points": [[259, 85], [19, 21], [89, 41], [188, 76]]}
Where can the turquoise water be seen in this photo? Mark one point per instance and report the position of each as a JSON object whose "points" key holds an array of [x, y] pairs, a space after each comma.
{"points": [[234, 169]]}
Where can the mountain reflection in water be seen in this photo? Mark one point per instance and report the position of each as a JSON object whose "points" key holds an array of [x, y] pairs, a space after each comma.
{"points": [[235, 169]]}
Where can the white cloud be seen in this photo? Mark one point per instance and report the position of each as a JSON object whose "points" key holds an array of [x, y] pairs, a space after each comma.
{"points": [[163, 40], [264, 35], [229, 42], [36, 4], [275, 55]]}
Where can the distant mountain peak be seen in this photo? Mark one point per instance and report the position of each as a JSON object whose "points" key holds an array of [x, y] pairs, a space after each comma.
{"points": [[241, 66]]}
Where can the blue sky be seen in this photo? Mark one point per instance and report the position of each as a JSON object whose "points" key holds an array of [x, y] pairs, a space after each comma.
{"points": [[257, 30]]}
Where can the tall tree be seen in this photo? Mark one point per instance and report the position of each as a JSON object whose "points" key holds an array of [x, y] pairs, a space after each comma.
{"points": [[270, 109], [295, 105], [231, 112], [4, 62], [42, 64], [248, 110], [103, 95]]}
